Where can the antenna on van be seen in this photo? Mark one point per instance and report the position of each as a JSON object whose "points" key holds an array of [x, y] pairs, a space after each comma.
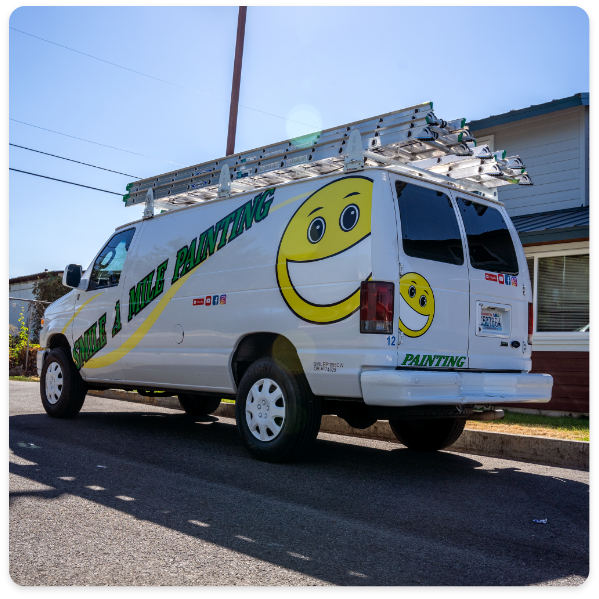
{"points": [[149, 208], [224, 183], [354, 159]]}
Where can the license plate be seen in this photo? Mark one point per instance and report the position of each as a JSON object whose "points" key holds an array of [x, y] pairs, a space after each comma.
{"points": [[490, 321]]}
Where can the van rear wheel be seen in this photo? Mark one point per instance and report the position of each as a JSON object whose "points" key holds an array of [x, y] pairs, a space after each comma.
{"points": [[62, 389], [428, 435], [196, 405], [278, 417]]}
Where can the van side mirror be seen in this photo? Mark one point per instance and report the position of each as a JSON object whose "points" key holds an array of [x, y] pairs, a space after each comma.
{"points": [[71, 277]]}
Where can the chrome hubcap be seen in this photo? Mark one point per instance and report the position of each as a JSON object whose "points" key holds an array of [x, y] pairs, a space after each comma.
{"points": [[265, 410], [54, 382]]}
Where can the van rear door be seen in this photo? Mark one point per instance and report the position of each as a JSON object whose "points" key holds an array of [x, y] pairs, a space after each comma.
{"points": [[433, 297], [498, 305]]}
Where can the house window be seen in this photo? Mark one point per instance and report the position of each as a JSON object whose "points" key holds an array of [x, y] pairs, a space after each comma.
{"points": [[562, 293]]}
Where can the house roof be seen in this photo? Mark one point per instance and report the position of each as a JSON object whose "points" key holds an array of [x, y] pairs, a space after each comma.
{"points": [[581, 99], [34, 277], [558, 225]]}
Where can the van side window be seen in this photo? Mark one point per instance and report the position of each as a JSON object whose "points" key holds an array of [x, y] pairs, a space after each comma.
{"points": [[429, 226], [489, 240], [107, 268]]}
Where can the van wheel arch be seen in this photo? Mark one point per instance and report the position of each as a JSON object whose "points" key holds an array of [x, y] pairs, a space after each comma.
{"points": [[58, 340], [255, 346]]}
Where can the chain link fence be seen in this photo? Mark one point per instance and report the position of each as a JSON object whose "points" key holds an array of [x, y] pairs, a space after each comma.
{"points": [[24, 325]]}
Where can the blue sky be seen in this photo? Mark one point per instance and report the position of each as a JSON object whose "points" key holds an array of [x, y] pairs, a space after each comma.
{"points": [[323, 66]]}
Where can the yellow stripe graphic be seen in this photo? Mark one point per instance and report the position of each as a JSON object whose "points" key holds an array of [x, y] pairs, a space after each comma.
{"points": [[116, 354], [66, 326]]}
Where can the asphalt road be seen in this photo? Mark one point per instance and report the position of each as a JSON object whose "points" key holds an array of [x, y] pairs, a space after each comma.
{"points": [[127, 494]]}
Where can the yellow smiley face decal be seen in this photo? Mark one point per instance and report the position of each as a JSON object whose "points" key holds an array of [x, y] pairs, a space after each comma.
{"points": [[416, 305], [324, 252]]}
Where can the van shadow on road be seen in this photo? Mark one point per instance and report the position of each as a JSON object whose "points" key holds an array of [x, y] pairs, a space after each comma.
{"points": [[354, 513]]}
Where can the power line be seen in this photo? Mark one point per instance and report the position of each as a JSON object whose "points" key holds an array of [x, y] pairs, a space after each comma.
{"points": [[161, 80], [71, 160], [95, 142], [69, 182]]}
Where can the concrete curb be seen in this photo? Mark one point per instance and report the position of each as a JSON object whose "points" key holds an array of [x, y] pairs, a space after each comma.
{"points": [[541, 450]]}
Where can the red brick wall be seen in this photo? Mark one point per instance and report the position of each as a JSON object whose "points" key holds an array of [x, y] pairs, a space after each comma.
{"points": [[570, 372]]}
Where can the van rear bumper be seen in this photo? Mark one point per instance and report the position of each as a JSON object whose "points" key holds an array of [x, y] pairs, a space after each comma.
{"points": [[421, 387]]}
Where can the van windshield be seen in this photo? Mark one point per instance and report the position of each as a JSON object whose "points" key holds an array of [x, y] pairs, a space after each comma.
{"points": [[489, 241]]}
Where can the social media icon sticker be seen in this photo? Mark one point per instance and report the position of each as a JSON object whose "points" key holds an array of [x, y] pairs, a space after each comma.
{"points": [[223, 299]]}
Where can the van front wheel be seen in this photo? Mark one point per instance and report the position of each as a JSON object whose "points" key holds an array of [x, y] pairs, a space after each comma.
{"points": [[61, 386], [277, 415], [428, 435]]}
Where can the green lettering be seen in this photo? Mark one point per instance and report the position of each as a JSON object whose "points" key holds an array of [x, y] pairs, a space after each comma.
{"points": [[181, 257], [264, 206], [247, 218], [445, 361], [427, 361], [160, 278], [210, 245], [460, 362], [407, 359], [77, 353], [102, 332], [438, 358], [415, 361], [147, 297], [225, 229], [90, 342], [190, 259], [117, 319], [234, 229], [134, 300], [200, 252], [452, 361]]}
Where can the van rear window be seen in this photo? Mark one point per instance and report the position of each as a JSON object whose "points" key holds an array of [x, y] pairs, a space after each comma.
{"points": [[489, 241], [429, 226]]}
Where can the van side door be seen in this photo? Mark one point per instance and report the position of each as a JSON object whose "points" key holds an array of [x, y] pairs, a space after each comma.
{"points": [[498, 305], [433, 289], [98, 317]]}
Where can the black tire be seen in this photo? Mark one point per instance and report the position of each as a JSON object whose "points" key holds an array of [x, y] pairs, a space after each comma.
{"points": [[428, 435], [299, 426], [64, 395], [196, 405]]}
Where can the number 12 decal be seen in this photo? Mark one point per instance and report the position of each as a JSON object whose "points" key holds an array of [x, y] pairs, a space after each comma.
{"points": [[391, 340]]}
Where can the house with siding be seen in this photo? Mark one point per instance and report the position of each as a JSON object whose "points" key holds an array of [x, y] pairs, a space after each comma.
{"points": [[552, 219]]}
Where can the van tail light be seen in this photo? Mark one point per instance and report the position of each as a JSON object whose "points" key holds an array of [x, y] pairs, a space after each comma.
{"points": [[376, 307], [530, 322]]}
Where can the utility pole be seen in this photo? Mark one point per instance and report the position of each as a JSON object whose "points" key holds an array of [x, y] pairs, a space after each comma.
{"points": [[236, 80]]}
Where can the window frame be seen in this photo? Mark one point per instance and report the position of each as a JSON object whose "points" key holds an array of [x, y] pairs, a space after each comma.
{"points": [[91, 267], [555, 340]]}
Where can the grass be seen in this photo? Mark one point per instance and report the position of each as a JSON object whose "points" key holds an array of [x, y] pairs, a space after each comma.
{"points": [[564, 427], [27, 379]]}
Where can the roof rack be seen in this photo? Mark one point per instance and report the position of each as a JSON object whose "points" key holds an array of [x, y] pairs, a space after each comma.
{"points": [[412, 139]]}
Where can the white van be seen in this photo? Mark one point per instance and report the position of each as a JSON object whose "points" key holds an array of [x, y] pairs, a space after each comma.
{"points": [[373, 295]]}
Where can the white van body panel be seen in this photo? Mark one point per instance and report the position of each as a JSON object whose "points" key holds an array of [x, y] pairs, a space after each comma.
{"points": [[270, 275]]}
